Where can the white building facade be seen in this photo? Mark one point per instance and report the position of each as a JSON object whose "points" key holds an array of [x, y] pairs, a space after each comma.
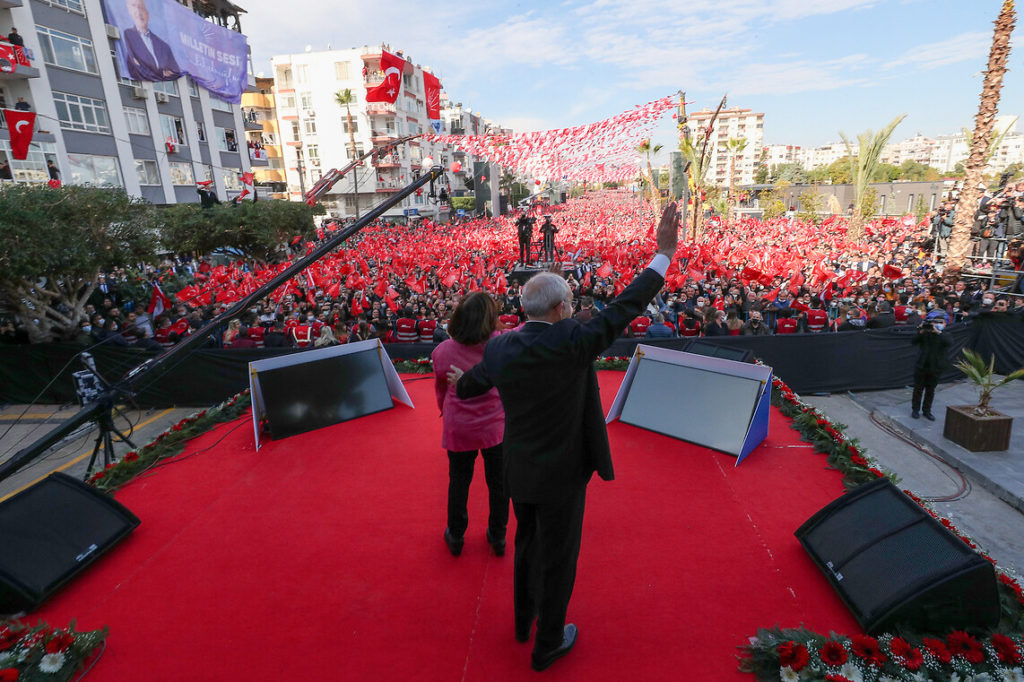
{"points": [[735, 123]]}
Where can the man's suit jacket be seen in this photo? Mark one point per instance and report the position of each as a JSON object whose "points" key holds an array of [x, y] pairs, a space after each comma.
{"points": [[141, 66], [555, 436]]}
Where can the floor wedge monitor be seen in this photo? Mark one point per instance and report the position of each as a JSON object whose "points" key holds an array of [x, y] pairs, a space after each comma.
{"points": [[893, 564], [51, 532]]}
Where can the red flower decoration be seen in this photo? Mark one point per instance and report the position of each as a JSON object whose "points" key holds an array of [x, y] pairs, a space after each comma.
{"points": [[868, 649], [7, 638], [858, 460], [1005, 648], [833, 653], [8, 675], [837, 678], [61, 641], [876, 472], [793, 655], [131, 457], [962, 644], [937, 648]]}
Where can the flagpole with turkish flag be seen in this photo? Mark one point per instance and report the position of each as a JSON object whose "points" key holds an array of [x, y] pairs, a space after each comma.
{"points": [[158, 302], [388, 90], [20, 124], [432, 91]]}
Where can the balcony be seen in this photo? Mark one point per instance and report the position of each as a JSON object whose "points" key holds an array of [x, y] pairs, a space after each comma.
{"points": [[7, 4], [258, 157], [387, 188], [260, 101], [386, 163], [371, 56], [372, 79], [379, 108], [36, 136], [21, 68], [386, 138]]}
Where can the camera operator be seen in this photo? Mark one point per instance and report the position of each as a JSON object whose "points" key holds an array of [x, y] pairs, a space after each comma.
{"points": [[933, 349], [987, 229], [942, 226], [524, 230], [1012, 215]]}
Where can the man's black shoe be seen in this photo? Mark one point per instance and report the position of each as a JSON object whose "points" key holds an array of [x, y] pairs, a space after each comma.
{"points": [[915, 414], [929, 416], [454, 544], [543, 661], [497, 545]]}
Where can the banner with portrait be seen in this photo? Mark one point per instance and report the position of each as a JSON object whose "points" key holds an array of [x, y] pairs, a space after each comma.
{"points": [[162, 40]]}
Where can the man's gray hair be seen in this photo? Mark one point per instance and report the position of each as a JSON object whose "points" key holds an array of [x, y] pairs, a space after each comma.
{"points": [[542, 293]]}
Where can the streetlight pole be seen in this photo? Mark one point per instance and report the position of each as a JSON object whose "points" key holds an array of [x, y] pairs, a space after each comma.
{"points": [[298, 164]]}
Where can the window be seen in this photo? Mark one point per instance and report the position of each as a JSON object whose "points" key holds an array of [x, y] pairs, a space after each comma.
{"points": [[69, 5], [355, 124], [147, 172], [231, 180], [172, 127], [217, 104], [102, 171], [309, 125], [124, 80], [348, 151], [226, 141], [284, 78], [407, 82], [306, 100], [33, 167], [275, 162], [202, 131], [167, 87], [181, 174], [287, 101], [193, 89], [138, 124], [302, 73], [341, 71], [295, 131], [66, 50], [313, 154], [81, 113]]}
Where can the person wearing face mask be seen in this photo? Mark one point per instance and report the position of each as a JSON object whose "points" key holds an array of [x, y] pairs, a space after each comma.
{"points": [[987, 307], [933, 350]]}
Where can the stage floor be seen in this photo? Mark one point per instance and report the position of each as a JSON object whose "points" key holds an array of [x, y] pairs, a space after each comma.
{"points": [[321, 558]]}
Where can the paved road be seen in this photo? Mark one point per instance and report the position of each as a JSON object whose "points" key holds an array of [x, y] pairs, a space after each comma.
{"points": [[981, 514], [73, 455]]}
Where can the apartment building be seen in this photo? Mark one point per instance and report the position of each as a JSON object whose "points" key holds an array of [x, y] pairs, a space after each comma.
{"points": [[100, 126], [736, 123], [778, 154], [315, 133], [263, 139]]}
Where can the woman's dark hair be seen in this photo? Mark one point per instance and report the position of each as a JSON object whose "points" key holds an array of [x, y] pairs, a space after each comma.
{"points": [[473, 319]]}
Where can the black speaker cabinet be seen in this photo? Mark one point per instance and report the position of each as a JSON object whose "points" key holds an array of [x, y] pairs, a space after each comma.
{"points": [[892, 563], [51, 532]]}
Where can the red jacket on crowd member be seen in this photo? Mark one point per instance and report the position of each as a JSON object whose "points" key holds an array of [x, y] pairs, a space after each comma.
{"points": [[509, 320], [685, 330], [405, 330], [302, 334], [817, 321], [900, 312], [639, 326], [291, 322], [163, 337], [785, 325], [426, 330], [258, 335]]}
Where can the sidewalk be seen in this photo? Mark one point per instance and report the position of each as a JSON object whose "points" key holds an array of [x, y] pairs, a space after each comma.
{"points": [[990, 503]]}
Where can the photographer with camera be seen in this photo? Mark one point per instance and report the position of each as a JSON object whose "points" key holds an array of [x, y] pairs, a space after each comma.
{"points": [[524, 230], [933, 349], [942, 226]]}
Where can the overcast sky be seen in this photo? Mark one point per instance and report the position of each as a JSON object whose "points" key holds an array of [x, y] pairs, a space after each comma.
{"points": [[814, 67]]}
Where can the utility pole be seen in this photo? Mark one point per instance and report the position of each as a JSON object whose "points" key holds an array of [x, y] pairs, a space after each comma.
{"points": [[302, 180]]}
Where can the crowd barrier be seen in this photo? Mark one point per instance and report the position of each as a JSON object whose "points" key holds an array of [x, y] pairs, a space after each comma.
{"points": [[809, 363]]}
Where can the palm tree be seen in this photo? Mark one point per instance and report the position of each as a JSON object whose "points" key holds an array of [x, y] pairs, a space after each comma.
{"points": [[862, 167], [960, 240], [699, 164], [735, 145], [346, 98], [647, 149]]}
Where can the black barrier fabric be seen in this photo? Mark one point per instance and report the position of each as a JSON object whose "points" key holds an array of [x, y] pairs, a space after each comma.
{"points": [[809, 363]]}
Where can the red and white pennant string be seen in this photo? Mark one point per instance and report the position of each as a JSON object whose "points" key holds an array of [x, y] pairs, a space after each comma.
{"points": [[598, 152]]}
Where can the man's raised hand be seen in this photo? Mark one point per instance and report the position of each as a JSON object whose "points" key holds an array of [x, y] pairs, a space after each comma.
{"points": [[668, 231]]}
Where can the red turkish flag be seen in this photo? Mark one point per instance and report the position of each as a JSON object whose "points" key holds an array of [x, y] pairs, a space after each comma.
{"points": [[432, 89], [247, 178], [21, 124], [387, 91], [605, 269], [888, 271], [8, 59]]}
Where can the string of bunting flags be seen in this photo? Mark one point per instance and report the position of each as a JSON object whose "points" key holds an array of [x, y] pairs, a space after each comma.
{"points": [[597, 152]]}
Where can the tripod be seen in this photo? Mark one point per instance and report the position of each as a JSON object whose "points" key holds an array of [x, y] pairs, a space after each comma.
{"points": [[105, 421]]}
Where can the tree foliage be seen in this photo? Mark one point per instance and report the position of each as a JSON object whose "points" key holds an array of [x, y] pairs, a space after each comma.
{"points": [[863, 166], [256, 229], [53, 244], [810, 204]]}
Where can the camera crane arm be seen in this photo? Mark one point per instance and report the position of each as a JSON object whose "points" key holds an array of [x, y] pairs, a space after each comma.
{"points": [[333, 176]]}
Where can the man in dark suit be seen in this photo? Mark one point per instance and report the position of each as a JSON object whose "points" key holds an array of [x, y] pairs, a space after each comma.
{"points": [[149, 58], [555, 436]]}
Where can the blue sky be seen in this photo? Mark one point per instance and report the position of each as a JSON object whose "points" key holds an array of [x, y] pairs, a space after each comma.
{"points": [[814, 67]]}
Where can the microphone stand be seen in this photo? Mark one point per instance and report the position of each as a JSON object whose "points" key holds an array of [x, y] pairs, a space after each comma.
{"points": [[129, 384]]}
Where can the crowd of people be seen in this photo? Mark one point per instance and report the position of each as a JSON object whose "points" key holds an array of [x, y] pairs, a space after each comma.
{"points": [[402, 284]]}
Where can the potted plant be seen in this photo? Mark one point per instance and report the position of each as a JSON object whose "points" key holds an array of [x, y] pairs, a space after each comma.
{"points": [[979, 428]]}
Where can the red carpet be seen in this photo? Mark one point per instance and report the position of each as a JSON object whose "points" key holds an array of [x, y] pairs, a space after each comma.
{"points": [[321, 558]]}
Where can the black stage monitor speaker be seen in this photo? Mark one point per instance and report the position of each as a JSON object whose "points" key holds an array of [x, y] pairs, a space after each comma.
{"points": [[716, 351], [892, 563], [51, 532], [311, 395]]}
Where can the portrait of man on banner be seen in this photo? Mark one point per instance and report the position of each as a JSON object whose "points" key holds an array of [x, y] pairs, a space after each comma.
{"points": [[149, 57]]}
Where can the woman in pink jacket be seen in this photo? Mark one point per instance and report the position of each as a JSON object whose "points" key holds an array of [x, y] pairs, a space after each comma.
{"points": [[471, 425]]}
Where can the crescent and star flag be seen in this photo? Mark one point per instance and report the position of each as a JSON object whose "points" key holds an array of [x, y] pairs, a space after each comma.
{"points": [[158, 302], [21, 124], [8, 60], [388, 90], [432, 89]]}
